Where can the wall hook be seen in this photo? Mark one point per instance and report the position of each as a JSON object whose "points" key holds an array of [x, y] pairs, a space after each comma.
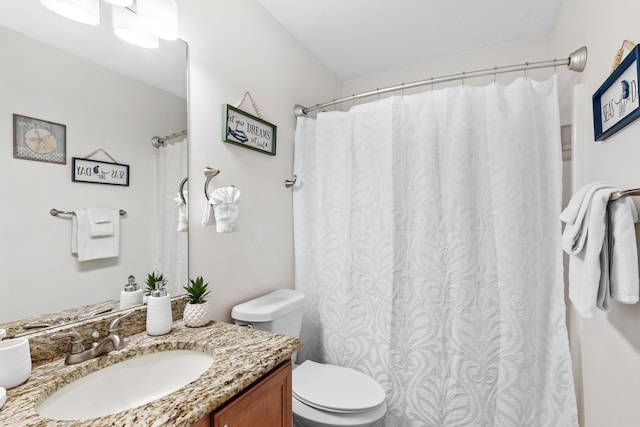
{"points": [[291, 182]]}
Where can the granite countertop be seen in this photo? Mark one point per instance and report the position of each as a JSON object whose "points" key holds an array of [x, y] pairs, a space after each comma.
{"points": [[241, 356]]}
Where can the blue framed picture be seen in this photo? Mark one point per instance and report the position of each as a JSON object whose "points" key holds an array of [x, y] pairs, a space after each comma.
{"points": [[616, 103]]}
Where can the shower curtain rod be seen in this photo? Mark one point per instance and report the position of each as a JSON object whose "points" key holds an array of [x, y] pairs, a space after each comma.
{"points": [[576, 62], [156, 141]]}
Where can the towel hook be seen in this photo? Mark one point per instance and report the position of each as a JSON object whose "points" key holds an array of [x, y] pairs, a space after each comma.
{"points": [[209, 173], [290, 182]]}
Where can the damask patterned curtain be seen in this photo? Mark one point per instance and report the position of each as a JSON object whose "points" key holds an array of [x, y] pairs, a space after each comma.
{"points": [[427, 244]]}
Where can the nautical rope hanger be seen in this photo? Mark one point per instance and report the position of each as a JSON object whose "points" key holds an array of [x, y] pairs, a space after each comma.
{"points": [[575, 62]]}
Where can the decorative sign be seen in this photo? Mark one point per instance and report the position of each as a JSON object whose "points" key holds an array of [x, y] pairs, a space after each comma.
{"points": [[615, 103], [93, 171], [248, 131], [40, 140]]}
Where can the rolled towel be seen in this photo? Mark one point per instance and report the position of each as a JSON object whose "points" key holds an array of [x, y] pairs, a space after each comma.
{"points": [[224, 202]]}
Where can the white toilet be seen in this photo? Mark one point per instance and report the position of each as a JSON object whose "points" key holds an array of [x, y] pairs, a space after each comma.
{"points": [[323, 395]]}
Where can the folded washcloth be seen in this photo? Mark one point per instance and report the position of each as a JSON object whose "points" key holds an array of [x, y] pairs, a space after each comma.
{"points": [[224, 202], [100, 221], [89, 248], [585, 269], [183, 211]]}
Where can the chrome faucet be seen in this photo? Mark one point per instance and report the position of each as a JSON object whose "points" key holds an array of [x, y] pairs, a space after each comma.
{"points": [[79, 353]]}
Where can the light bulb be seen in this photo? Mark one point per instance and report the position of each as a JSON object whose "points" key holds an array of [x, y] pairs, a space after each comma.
{"points": [[127, 27], [83, 11], [159, 17]]}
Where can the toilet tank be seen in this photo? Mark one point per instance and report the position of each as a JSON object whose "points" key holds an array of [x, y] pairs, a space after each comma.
{"points": [[279, 312]]}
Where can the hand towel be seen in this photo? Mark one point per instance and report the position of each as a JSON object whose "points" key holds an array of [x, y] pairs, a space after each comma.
{"points": [[100, 221], [208, 218], [224, 202], [624, 277], [576, 217], [585, 272], [183, 211], [89, 248]]}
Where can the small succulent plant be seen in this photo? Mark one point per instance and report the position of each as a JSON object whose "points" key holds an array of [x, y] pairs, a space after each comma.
{"points": [[197, 290], [152, 279]]}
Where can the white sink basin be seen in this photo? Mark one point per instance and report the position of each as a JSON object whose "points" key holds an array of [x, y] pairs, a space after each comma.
{"points": [[125, 385]]}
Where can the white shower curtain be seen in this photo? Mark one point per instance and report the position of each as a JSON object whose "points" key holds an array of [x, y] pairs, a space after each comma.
{"points": [[427, 244], [171, 246]]}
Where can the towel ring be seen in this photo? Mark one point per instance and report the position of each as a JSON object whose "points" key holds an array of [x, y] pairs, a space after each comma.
{"points": [[209, 173], [181, 191]]}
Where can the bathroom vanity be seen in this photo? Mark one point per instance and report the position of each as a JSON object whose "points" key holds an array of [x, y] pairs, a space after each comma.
{"points": [[249, 380], [268, 403]]}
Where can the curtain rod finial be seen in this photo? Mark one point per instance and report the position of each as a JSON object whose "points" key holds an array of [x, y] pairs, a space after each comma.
{"points": [[298, 110], [578, 60]]}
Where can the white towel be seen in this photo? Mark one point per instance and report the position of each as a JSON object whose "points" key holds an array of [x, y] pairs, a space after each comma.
{"points": [[576, 217], [101, 221], [603, 262], [89, 248], [585, 272], [183, 211], [224, 202], [623, 251]]}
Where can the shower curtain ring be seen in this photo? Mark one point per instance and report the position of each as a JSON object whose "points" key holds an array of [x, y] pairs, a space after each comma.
{"points": [[402, 92], [431, 83], [495, 73], [463, 74], [526, 70]]}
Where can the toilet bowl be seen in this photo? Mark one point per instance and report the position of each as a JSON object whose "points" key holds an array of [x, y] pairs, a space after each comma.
{"points": [[323, 395], [328, 395]]}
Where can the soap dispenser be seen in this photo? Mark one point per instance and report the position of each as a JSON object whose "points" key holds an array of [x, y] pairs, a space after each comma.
{"points": [[132, 294], [159, 316]]}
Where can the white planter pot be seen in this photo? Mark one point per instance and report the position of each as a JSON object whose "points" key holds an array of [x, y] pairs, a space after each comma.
{"points": [[196, 315]]}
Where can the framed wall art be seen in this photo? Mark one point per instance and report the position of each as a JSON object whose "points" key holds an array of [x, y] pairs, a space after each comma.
{"points": [[615, 103], [241, 128], [40, 140], [96, 172]]}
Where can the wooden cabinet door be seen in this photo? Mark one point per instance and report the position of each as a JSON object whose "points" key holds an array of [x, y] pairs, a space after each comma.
{"points": [[265, 404]]}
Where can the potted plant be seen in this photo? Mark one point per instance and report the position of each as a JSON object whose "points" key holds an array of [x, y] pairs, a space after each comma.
{"points": [[196, 311]]}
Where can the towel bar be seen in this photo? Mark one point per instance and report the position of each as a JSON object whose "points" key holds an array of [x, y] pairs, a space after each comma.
{"points": [[619, 194], [56, 212]]}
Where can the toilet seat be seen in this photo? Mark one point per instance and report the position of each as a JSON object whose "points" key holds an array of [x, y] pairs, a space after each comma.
{"points": [[335, 388]]}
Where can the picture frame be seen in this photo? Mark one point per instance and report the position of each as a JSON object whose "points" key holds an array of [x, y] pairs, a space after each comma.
{"points": [[39, 140], [98, 172], [243, 129], [616, 103]]}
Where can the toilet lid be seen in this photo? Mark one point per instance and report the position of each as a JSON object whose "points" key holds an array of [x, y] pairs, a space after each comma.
{"points": [[335, 388]]}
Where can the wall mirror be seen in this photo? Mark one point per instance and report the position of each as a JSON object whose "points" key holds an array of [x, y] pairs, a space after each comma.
{"points": [[112, 98]]}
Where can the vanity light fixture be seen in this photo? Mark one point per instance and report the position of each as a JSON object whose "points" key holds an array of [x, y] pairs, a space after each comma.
{"points": [[159, 17], [127, 26], [121, 3], [83, 11]]}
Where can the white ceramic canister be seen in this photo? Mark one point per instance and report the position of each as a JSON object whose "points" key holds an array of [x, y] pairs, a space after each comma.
{"points": [[159, 315], [15, 362]]}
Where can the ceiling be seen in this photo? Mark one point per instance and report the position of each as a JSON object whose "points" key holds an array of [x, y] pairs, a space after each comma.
{"points": [[355, 38], [164, 68]]}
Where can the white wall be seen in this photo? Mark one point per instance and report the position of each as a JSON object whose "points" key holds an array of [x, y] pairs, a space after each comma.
{"points": [[236, 46], [39, 274]]}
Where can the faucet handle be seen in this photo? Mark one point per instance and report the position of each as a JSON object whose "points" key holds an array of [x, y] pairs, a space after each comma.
{"points": [[115, 323], [76, 340]]}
